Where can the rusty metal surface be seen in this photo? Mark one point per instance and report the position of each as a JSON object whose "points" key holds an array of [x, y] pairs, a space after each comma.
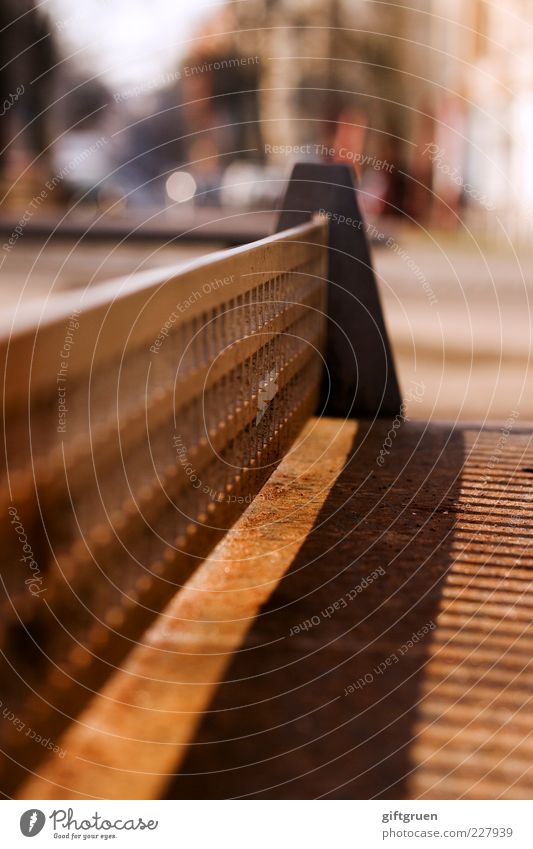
{"points": [[329, 711], [132, 736], [371, 621]]}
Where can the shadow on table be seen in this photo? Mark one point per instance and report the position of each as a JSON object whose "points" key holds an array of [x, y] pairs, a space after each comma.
{"points": [[331, 710]]}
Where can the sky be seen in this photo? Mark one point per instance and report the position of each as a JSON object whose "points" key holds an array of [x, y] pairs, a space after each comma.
{"points": [[128, 42]]}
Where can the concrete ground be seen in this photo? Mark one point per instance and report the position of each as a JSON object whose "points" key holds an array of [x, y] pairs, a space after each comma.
{"points": [[459, 318]]}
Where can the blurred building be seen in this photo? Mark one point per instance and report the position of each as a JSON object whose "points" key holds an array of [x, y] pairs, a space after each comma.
{"points": [[430, 100], [455, 75], [483, 56], [321, 57]]}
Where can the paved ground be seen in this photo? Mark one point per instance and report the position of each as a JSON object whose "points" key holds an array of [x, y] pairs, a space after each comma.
{"points": [[37, 268], [460, 320]]}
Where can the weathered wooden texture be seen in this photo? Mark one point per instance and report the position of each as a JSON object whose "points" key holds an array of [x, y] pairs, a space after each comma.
{"points": [[341, 561], [127, 742], [141, 416]]}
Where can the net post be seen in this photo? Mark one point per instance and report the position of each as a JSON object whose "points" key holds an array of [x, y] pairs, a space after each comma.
{"points": [[361, 379]]}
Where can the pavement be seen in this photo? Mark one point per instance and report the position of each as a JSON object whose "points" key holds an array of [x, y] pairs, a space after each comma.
{"points": [[460, 321]]}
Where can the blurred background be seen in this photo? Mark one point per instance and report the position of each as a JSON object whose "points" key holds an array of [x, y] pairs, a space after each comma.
{"points": [[169, 111]]}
